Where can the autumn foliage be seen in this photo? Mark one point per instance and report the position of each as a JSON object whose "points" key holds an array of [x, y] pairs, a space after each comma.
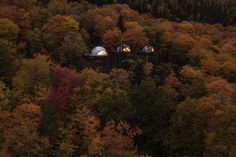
{"points": [[64, 81], [58, 100]]}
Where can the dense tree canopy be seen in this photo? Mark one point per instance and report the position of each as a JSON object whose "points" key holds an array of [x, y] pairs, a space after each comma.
{"points": [[175, 100], [203, 10]]}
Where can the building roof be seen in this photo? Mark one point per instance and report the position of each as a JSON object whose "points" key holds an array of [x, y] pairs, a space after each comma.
{"points": [[98, 51], [123, 48], [148, 49]]}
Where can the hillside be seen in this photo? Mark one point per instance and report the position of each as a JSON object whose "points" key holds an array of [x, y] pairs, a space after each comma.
{"points": [[207, 11], [84, 80]]}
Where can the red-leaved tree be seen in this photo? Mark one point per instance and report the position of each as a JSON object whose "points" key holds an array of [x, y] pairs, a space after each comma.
{"points": [[64, 82]]}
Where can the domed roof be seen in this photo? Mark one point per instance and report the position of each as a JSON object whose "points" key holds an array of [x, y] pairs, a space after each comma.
{"points": [[99, 51], [123, 48], [148, 49]]}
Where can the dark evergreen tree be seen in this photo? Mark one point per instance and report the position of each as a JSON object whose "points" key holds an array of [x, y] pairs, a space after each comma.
{"points": [[50, 120], [7, 62], [153, 111], [120, 24], [139, 73]]}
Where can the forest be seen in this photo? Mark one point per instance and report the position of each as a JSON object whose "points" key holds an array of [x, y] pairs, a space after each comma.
{"points": [[207, 11], [117, 78]]}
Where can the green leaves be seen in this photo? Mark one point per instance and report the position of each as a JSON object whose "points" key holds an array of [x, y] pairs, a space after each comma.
{"points": [[33, 79], [186, 134]]}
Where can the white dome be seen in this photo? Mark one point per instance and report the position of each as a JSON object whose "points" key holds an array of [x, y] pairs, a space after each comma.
{"points": [[124, 48], [99, 51], [148, 49]]}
